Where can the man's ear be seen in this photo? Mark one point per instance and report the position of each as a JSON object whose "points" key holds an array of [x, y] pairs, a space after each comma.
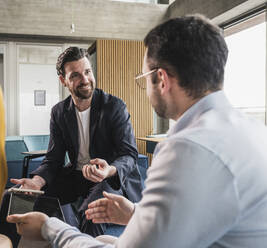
{"points": [[164, 81], [62, 80]]}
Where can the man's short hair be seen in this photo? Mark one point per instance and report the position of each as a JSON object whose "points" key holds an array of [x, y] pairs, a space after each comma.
{"points": [[192, 49], [70, 54]]}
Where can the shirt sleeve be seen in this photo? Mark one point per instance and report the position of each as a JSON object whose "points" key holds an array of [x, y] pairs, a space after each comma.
{"points": [[62, 235], [122, 134], [190, 200]]}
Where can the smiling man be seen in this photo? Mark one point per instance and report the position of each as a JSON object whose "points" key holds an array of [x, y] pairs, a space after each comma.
{"points": [[94, 129]]}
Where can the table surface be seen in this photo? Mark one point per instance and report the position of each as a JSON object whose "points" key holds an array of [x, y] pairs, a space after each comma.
{"points": [[40, 152], [158, 139]]}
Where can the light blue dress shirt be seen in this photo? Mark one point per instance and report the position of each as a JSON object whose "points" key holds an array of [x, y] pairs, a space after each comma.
{"points": [[206, 187]]}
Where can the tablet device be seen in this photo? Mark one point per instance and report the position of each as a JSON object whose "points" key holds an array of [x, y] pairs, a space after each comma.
{"points": [[21, 203], [20, 190]]}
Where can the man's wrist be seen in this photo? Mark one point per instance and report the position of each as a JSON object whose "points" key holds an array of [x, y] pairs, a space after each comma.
{"points": [[112, 171], [39, 181]]}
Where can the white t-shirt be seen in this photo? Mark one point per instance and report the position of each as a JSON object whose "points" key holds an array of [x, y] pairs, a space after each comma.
{"points": [[83, 119]]}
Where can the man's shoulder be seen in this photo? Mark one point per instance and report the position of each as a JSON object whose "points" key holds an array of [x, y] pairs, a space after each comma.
{"points": [[59, 107], [107, 99]]}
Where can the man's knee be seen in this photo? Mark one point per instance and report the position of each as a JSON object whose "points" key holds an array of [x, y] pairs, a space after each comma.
{"points": [[88, 227], [96, 192]]}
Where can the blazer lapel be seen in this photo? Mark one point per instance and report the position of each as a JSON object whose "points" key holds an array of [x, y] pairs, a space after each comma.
{"points": [[94, 116], [72, 126]]}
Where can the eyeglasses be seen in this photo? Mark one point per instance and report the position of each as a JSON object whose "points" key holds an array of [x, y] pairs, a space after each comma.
{"points": [[140, 78]]}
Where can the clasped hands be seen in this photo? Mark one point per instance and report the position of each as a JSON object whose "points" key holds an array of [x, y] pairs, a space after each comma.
{"points": [[98, 170]]}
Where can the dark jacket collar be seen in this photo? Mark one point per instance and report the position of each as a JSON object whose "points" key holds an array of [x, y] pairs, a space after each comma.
{"points": [[71, 123], [96, 106], [71, 119]]}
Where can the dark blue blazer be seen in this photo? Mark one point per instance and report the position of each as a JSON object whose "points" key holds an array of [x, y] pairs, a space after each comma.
{"points": [[111, 138]]}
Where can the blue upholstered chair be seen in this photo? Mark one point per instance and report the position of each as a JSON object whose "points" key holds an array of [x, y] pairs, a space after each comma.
{"points": [[14, 158], [15, 145]]}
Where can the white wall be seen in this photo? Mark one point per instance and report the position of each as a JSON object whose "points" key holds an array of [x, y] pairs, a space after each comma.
{"points": [[35, 119]]}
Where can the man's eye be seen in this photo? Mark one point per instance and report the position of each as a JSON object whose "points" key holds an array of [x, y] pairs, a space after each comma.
{"points": [[73, 76], [87, 72]]}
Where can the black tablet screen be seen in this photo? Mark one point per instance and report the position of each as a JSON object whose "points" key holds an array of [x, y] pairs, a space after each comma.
{"points": [[23, 203]]}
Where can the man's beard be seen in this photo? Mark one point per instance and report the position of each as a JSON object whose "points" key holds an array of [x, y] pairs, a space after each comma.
{"points": [[84, 93], [159, 105]]}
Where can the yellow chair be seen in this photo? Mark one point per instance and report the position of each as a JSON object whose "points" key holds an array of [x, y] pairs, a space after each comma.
{"points": [[4, 240], [3, 167]]}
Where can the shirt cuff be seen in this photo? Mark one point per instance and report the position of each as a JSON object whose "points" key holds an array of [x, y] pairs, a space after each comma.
{"points": [[51, 227]]}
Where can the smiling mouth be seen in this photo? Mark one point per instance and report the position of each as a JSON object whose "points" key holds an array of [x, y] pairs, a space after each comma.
{"points": [[85, 87]]}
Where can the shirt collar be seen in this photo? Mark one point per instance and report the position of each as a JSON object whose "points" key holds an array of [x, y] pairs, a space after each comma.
{"points": [[211, 101]]}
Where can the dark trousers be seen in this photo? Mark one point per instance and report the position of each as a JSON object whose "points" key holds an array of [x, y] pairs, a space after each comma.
{"points": [[67, 188]]}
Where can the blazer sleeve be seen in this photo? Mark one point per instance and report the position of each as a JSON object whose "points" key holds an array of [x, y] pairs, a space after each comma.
{"points": [[124, 141], [55, 157]]}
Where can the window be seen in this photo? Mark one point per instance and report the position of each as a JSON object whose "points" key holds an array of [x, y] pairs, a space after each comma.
{"points": [[245, 72]]}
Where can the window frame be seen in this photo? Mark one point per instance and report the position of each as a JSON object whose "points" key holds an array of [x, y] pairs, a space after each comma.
{"points": [[244, 21]]}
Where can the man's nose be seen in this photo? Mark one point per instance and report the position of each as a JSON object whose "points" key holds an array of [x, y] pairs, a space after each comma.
{"points": [[85, 78]]}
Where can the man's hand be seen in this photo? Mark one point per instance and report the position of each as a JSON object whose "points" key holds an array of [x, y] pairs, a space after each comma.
{"points": [[111, 209], [98, 170], [36, 182], [29, 225]]}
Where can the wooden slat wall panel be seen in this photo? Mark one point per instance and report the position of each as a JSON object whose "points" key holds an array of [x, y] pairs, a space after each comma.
{"points": [[118, 61]]}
